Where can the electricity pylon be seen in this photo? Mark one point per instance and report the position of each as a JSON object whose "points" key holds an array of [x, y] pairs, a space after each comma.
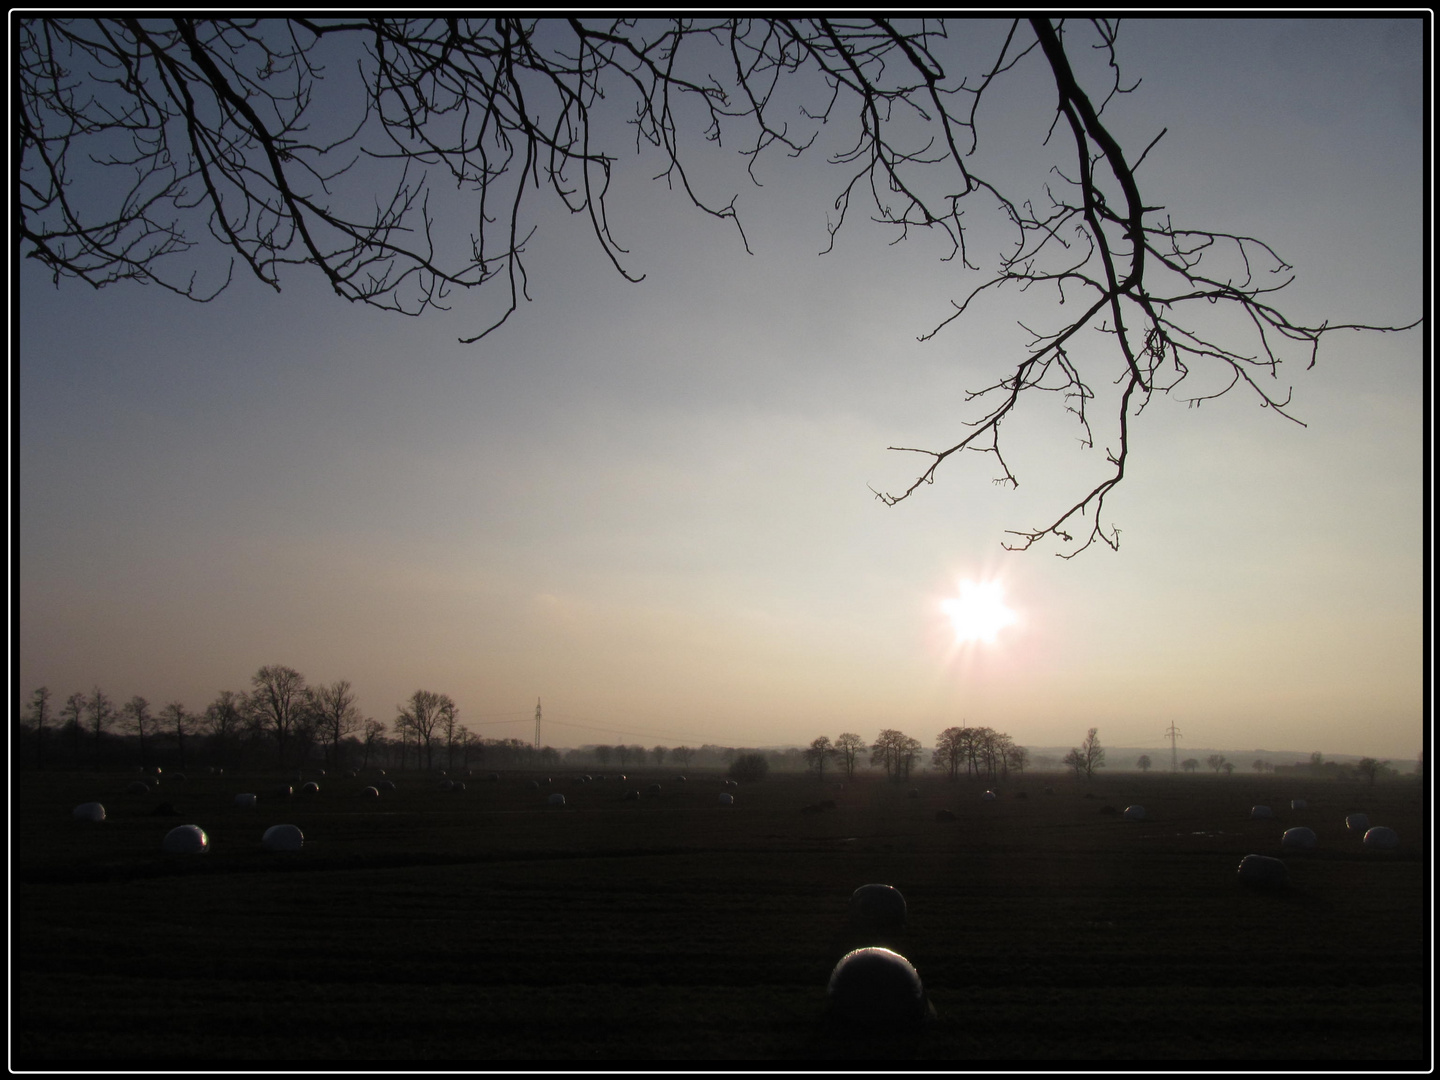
{"points": [[1172, 731], [537, 723]]}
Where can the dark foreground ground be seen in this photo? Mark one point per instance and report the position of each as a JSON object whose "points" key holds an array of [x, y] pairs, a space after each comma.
{"points": [[443, 930]]}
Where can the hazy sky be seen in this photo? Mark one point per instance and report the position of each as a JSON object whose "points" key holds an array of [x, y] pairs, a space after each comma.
{"points": [[649, 505]]}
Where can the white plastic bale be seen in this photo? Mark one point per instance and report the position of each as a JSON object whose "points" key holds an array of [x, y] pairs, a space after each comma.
{"points": [[246, 800], [370, 793], [284, 791], [1299, 838], [1135, 812], [556, 799], [1379, 836], [989, 796], [877, 905], [185, 840], [457, 785], [1357, 823], [311, 788], [138, 787], [1299, 804], [726, 799], [1263, 872], [1261, 812], [876, 985], [90, 811], [283, 838], [386, 785]]}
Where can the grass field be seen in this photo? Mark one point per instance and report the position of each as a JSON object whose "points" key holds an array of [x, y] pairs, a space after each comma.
{"points": [[469, 929]]}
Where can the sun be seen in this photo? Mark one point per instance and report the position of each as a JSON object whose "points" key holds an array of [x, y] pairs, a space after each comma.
{"points": [[978, 613]]}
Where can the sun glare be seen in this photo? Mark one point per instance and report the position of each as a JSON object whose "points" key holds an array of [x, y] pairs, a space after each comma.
{"points": [[978, 613]]}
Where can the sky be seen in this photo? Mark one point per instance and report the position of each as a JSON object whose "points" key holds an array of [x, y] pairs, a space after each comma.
{"points": [[649, 506]]}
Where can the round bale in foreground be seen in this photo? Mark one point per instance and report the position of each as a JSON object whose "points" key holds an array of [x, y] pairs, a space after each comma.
{"points": [[1263, 872], [185, 840], [1378, 836], [876, 984], [283, 838], [90, 811], [1135, 812], [877, 905], [1357, 823], [1299, 838]]}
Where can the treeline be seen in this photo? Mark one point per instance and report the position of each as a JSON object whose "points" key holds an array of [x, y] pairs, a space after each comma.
{"points": [[981, 751], [280, 721]]}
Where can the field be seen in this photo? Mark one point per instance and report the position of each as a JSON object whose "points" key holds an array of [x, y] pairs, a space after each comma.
{"points": [[470, 929]]}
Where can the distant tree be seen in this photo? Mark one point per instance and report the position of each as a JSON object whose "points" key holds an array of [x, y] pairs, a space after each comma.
{"points": [[372, 734], [278, 701], [1317, 762], [817, 753], [178, 720], [622, 754], [422, 714], [1370, 768], [135, 716], [602, 754], [71, 715], [1229, 767], [102, 713], [848, 746], [906, 754], [1143, 763], [637, 753], [336, 716], [952, 750], [1216, 761], [1088, 756], [658, 753], [682, 754], [450, 728], [885, 750], [1260, 765], [40, 717], [1190, 764], [224, 719], [1017, 757], [749, 767]]}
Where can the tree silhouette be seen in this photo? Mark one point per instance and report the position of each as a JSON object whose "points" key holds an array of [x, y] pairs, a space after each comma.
{"points": [[1190, 764], [1143, 763], [277, 701], [848, 747], [145, 144], [1088, 756], [1216, 762], [817, 753]]}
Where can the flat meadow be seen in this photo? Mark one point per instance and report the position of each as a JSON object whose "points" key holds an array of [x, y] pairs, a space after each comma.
{"points": [[467, 929]]}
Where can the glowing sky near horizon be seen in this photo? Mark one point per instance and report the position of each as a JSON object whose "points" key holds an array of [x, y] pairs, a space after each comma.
{"points": [[648, 504]]}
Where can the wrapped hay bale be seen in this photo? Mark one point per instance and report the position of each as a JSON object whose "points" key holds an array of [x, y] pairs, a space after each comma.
{"points": [[945, 815], [245, 801], [282, 838], [555, 799], [875, 984], [1378, 836], [185, 840], [1257, 812], [989, 796], [1299, 838], [90, 811], [457, 785], [1357, 823], [137, 787], [1135, 812], [370, 793], [726, 799], [284, 791], [1263, 872], [873, 906], [653, 790], [310, 788], [1299, 804], [386, 785]]}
